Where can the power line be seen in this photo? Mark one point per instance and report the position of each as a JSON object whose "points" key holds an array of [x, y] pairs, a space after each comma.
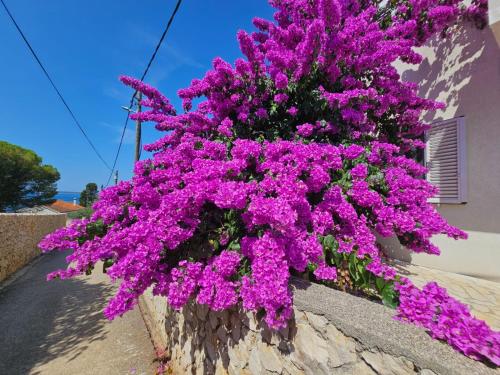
{"points": [[169, 23], [54, 85]]}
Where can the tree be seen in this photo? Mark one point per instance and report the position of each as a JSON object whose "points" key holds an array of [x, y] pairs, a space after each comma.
{"points": [[287, 162], [24, 180], [89, 195]]}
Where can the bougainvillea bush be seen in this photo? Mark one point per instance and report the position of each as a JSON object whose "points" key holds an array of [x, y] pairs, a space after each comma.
{"points": [[292, 161]]}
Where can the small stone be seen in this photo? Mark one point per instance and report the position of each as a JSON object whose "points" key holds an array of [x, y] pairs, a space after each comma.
{"points": [[222, 333], [285, 332], [290, 369], [254, 364], [220, 370], [269, 359], [232, 370], [426, 371], [238, 356], [252, 322], [285, 346], [213, 320], [311, 351], [211, 351], [208, 366], [300, 317], [359, 368], [318, 322], [341, 349], [224, 317], [387, 364], [236, 330], [201, 312]]}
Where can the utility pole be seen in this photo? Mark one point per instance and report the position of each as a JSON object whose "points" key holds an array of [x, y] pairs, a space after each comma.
{"points": [[116, 177], [138, 129]]}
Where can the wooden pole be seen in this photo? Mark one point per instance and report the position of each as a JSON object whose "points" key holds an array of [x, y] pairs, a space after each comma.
{"points": [[138, 129]]}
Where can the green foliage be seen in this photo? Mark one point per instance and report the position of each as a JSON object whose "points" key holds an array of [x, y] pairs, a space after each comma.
{"points": [[80, 214], [89, 195], [353, 276], [24, 180]]}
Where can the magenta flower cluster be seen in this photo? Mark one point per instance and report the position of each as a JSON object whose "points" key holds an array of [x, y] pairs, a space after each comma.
{"points": [[291, 161], [448, 319]]}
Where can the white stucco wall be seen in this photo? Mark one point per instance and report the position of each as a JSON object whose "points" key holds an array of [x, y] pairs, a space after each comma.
{"points": [[494, 18], [463, 71]]}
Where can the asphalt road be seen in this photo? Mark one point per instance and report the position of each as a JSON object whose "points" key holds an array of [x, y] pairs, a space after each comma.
{"points": [[57, 327]]}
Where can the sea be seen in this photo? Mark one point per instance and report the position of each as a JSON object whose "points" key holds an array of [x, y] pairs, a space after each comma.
{"points": [[67, 196]]}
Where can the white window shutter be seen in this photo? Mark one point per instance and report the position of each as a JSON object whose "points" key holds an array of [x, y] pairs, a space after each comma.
{"points": [[445, 159]]}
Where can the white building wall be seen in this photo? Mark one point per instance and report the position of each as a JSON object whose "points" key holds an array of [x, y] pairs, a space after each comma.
{"points": [[463, 71]]}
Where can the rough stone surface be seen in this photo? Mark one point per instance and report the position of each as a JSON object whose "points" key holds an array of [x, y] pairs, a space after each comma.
{"points": [[331, 333], [19, 237]]}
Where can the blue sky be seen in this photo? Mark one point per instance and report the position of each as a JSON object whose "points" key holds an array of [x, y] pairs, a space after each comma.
{"points": [[85, 46]]}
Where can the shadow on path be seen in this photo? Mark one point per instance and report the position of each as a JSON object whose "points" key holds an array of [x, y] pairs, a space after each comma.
{"points": [[40, 320]]}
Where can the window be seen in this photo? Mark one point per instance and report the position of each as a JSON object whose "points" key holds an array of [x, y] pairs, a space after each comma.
{"points": [[445, 159]]}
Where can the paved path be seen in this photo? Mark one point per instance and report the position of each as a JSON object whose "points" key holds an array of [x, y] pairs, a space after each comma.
{"points": [[482, 296], [57, 327]]}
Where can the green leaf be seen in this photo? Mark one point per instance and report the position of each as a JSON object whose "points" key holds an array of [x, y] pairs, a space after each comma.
{"points": [[329, 241], [234, 246], [353, 271], [389, 296], [89, 269], [380, 283], [106, 264]]}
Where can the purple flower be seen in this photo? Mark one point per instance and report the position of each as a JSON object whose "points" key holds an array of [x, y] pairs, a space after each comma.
{"points": [[305, 130], [293, 111], [281, 81], [240, 190]]}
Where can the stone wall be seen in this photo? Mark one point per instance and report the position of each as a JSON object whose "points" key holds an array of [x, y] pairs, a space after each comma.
{"points": [[332, 333], [19, 236]]}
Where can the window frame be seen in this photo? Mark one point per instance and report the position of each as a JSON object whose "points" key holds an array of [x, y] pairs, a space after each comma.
{"points": [[461, 161]]}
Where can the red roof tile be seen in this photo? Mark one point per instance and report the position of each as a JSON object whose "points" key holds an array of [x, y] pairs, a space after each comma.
{"points": [[62, 206]]}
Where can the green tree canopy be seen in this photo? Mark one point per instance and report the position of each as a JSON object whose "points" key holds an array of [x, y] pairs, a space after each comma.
{"points": [[89, 195], [24, 180]]}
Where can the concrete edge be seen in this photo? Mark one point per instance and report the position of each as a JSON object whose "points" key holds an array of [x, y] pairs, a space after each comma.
{"points": [[373, 326], [158, 340]]}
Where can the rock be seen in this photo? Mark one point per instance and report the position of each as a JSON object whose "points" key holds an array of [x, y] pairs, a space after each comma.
{"points": [[252, 322], [290, 369], [254, 364], [213, 320], [220, 370], [249, 338], [238, 356], [208, 367], [222, 333], [285, 332], [318, 322], [235, 329], [359, 368], [187, 350], [341, 349], [311, 351], [269, 359], [201, 311], [386, 364], [426, 372], [300, 317], [211, 351], [271, 337]]}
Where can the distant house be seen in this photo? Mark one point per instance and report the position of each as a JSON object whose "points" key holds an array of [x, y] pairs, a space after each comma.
{"points": [[37, 210], [64, 207], [58, 207]]}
